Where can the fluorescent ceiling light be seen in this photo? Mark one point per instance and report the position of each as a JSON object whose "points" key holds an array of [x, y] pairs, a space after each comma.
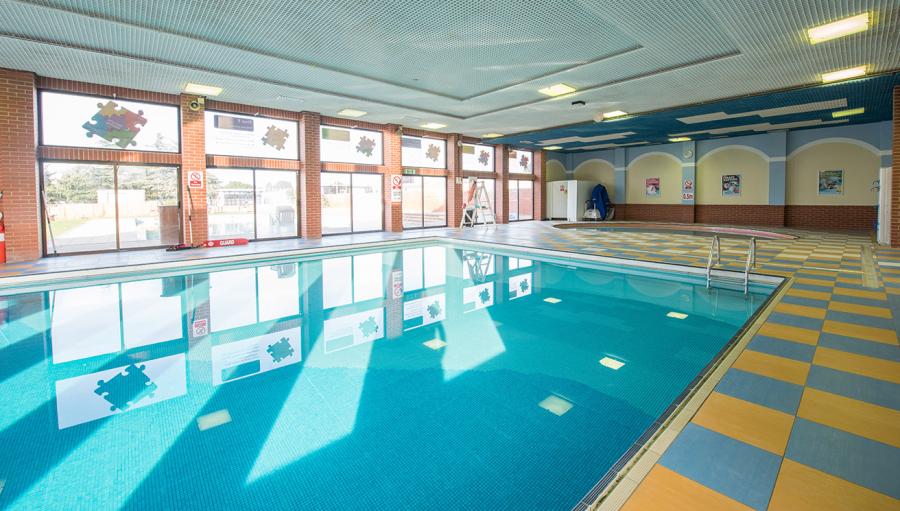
{"points": [[840, 28], [557, 90], [849, 112], [435, 344], [202, 90], [350, 112], [614, 114], [844, 74], [492, 135], [433, 125], [553, 148], [556, 405], [680, 139], [611, 363], [214, 419], [552, 300], [677, 315]]}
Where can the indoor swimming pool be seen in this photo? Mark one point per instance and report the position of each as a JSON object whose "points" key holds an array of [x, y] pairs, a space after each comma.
{"points": [[420, 375]]}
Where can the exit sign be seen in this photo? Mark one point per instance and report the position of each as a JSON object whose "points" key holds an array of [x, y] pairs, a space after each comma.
{"points": [[410, 171]]}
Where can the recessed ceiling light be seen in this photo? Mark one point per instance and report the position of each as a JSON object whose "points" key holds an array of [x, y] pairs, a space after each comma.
{"points": [[214, 419], [557, 90], [492, 135], [552, 300], [350, 112], [849, 112], [611, 363], [553, 148], [679, 139], [435, 344], [556, 405], [677, 315], [844, 74], [840, 28], [614, 114], [202, 90], [433, 125]]}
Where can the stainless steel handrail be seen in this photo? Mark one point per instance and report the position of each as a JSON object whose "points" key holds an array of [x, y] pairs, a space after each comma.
{"points": [[714, 249], [751, 262]]}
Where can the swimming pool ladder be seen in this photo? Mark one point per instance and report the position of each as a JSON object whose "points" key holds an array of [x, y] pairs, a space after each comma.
{"points": [[715, 253]]}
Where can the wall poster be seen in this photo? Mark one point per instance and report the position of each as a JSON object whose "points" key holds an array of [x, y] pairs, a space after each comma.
{"points": [[731, 185], [651, 186], [831, 182]]}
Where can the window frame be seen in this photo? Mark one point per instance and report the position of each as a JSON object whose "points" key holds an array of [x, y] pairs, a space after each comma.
{"points": [[442, 140], [446, 208], [238, 114], [493, 159], [323, 160], [518, 208], [351, 202], [255, 226], [530, 161]]}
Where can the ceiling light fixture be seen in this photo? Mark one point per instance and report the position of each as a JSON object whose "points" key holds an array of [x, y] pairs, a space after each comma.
{"points": [[614, 114], [677, 315], [840, 28], [202, 90], [553, 148], [350, 112], [844, 74], [680, 139], [492, 135], [848, 112], [611, 363], [433, 125], [557, 90]]}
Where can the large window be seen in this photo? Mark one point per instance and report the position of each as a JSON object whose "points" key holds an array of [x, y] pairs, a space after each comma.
{"points": [[424, 201], [351, 202], [75, 120], [478, 157], [349, 145], [521, 200], [92, 207], [245, 135], [521, 162], [424, 152], [247, 203]]}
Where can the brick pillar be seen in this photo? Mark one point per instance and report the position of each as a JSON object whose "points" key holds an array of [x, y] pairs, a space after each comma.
{"points": [[454, 189], [393, 211], [501, 167], [18, 166], [540, 162], [193, 159], [895, 174], [310, 176]]}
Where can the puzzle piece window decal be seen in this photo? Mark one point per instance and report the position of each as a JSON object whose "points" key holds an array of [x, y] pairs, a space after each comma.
{"points": [[115, 124], [126, 388]]}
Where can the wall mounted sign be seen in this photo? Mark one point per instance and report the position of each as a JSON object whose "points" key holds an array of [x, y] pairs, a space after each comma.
{"points": [[651, 187], [831, 182], [731, 185]]}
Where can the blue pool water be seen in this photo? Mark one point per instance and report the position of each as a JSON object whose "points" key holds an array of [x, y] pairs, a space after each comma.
{"points": [[307, 384]]}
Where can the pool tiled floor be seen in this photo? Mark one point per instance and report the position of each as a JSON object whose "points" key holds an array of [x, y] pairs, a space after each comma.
{"points": [[807, 417]]}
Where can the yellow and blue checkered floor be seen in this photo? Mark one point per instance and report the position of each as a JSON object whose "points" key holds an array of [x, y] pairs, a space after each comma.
{"points": [[808, 416]]}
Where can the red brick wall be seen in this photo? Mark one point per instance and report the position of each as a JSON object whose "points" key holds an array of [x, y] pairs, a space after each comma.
{"points": [[739, 215], [656, 212], [310, 176], [501, 168], [831, 217], [539, 162], [193, 158], [454, 189], [393, 211], [18, 174], [895, 174]]}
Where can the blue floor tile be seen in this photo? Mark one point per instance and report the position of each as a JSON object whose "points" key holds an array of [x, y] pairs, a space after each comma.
{"points": [[798, 321], [761, 390], [870, 390], [788, 349], [858, 319], [860, 347]]}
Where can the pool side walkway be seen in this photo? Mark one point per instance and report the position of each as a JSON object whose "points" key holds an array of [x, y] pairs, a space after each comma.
{"points": [[807, 417]]}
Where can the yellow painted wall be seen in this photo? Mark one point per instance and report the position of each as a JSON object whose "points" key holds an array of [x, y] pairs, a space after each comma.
{"points": [[666, 168], [554, 171], [599, 171], [860, 166], [751, 166]]}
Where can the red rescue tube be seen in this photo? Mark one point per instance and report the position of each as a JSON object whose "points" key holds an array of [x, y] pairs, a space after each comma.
{"points": [[228, 242]]}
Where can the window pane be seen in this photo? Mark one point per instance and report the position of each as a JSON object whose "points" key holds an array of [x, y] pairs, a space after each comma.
{"points": [[412, 202], [335, 203], [81, 207], [148, 206], [245, 135], [276, 203], [478, 157], [86, 121], [520, 162], [423, 152], [367, 201], [229, 195], [350, 145], [435, 193], [526, 200], [513, 201]]}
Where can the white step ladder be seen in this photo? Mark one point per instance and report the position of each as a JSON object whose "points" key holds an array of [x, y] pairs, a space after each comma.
{"points": [[479, 264], [478, 207], [727, 279]]}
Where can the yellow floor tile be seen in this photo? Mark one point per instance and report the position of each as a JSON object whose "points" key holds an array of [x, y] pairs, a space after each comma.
{"points": [[860, 293], [821, 273], [858, 417], [666, 489], [803, 488], [814, 282], [748, 422], [878, 368], [892, 280], [772, 366], [800, 310], [850, 280], [812, 295], [869, 333], [790, 333], [865, 310]]}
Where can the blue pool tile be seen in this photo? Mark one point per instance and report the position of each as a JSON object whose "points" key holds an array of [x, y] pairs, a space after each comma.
{"points": [[859, 346], [788, 349], [743, 472], [860, 319], [761, 390], [799, 321], [870, 390], [854, 458]]}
